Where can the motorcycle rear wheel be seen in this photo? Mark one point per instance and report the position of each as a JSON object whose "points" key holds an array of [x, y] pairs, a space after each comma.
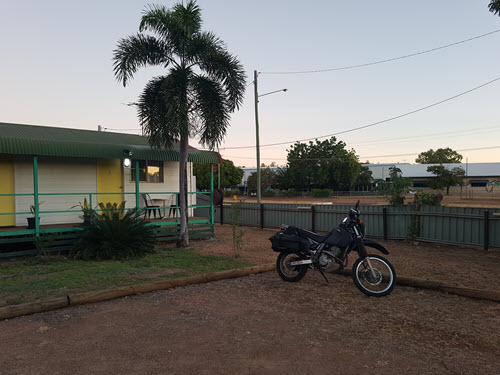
{"points": [[288, 272], [378, 284]]}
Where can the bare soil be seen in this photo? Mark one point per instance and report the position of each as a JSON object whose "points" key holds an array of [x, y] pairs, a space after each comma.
{"points": [[263, 325], [465, 266]]}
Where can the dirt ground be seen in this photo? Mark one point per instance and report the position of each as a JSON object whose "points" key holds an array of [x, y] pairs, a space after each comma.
{"points": [[263, 325], [465, 266], [451, 200]]}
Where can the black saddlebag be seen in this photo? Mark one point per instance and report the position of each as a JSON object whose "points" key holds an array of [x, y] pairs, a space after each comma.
{"points": [[340, 237], [288, 239]]}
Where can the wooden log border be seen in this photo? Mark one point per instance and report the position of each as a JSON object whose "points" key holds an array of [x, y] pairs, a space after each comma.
{"points": [[13, 311]]}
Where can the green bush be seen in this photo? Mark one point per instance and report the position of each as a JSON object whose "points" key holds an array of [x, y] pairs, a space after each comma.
{"points": [[429, 199], [321, 193], [115, 235], [235, 192], [289, 193], [227, 193], [268, 193]]}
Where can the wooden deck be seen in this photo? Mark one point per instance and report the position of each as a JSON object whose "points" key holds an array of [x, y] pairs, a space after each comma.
{"points": [[76, 225]]}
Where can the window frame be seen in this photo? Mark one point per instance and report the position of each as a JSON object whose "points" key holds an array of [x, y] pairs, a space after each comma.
{"points": [[147, 177]]}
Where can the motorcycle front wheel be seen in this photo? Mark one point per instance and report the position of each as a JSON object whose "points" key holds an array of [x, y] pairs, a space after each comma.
{"points": [[288, 272], [377, 281]]}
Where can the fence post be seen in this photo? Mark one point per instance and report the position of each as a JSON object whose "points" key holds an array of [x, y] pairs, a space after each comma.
{"points": [[384, 219], [262, 216], [486, 229], [313, 218], [221, 212]]}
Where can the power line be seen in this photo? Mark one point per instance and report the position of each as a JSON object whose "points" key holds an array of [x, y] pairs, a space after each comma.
{"points": [[374, 123], [383, 61], [410, 138], [370, 156]]}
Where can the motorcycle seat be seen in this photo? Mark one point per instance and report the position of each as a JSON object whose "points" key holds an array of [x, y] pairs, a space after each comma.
{"points": [[311, 235]]}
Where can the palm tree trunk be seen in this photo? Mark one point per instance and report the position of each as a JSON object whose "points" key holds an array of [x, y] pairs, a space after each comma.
{"points": [[183, 206]]}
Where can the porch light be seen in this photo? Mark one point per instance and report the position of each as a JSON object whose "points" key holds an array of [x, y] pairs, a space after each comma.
{"points": [[126, 163]]}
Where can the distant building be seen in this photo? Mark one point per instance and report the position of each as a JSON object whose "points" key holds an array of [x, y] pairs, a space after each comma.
{"points": [[478, 175]]}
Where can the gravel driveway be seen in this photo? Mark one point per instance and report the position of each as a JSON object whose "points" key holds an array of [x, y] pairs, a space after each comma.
{"points": [[260, 325]]}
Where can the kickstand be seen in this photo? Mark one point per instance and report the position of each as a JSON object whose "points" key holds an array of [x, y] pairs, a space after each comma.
{"points": [[324, 276]]}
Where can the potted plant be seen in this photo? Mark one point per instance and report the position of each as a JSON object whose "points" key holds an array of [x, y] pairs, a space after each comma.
{"points": [[31, 220]]}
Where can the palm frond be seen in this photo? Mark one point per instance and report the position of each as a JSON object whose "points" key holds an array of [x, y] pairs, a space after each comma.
{"points": [[188, 17], [162, 108], [210, 54], [138, 51], [175, 26], [495, 7], [212, 109]]}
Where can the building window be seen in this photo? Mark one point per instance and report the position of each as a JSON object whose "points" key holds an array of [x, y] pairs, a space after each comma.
{"points": [[420, 184], [149, 171], [478, 183]]}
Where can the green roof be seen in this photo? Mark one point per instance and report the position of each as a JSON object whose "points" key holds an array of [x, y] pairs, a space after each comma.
{"points": [[19, 139]]}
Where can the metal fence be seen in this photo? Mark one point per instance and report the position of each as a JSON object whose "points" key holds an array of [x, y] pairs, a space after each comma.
{"points": [[458, 225]]}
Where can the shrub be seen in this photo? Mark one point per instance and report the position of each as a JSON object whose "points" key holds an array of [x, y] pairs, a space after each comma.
{"points": [[235, 192], [289, 193], [238, 233], [268, 193], [321, 193], [428, 199], [112, 210], [227, 193], [115, 236]]}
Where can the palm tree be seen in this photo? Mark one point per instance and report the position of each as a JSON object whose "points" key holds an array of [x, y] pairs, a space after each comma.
{"points": [[203, 85], [495, 7]]}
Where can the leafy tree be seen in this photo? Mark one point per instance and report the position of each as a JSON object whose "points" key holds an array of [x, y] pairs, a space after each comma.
{"points": [[230, 175], [268, 179], [495, 7], [445, 178], [440, 156], [364, 177], [395, 189], [204, 83], [323, 164]]}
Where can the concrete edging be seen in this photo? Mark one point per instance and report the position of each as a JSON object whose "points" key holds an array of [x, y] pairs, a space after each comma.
{"points": [[50, 304]]}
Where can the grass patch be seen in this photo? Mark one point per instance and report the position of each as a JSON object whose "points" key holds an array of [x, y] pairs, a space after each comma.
{"points": [[54, 277]]}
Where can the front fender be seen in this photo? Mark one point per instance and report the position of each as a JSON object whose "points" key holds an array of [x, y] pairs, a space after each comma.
{"points": [[376, 245]]}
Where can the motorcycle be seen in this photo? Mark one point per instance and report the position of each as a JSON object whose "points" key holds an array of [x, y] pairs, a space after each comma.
{"points": [[300, 250]]}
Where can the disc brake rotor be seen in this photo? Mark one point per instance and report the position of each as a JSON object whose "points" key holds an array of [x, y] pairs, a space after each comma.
{"points": [[367, 275]]}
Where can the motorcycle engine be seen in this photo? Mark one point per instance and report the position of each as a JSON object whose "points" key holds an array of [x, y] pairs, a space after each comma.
{"points": [[328, 262]]}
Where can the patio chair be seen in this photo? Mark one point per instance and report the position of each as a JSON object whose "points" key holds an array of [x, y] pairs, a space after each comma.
{"points": [[173, 206], [150, 206]]}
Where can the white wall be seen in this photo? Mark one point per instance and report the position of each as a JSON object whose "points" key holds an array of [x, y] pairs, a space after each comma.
{"points": [[73, 175], [170, 184], [55, 175]]}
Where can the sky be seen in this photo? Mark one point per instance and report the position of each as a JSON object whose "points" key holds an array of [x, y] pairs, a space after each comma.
{"points": [[56, 70]]}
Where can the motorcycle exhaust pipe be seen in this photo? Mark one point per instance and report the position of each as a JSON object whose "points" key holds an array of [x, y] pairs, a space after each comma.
{"points": [[300, 262]]}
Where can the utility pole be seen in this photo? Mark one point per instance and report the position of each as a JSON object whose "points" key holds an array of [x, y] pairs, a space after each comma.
{"points": [[255, 75]]}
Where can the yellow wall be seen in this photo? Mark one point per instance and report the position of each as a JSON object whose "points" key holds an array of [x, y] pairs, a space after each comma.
{"points": [[110, 180], [7, 204]]}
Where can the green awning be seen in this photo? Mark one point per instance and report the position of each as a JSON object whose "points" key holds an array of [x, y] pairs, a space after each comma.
{"points": [[19, 139]]}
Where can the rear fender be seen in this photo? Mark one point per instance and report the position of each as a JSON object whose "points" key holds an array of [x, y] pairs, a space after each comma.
{"points": [[376, 245]]}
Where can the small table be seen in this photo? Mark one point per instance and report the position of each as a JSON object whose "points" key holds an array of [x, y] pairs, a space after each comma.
{"points": [[164, 206], [161, 203]]}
